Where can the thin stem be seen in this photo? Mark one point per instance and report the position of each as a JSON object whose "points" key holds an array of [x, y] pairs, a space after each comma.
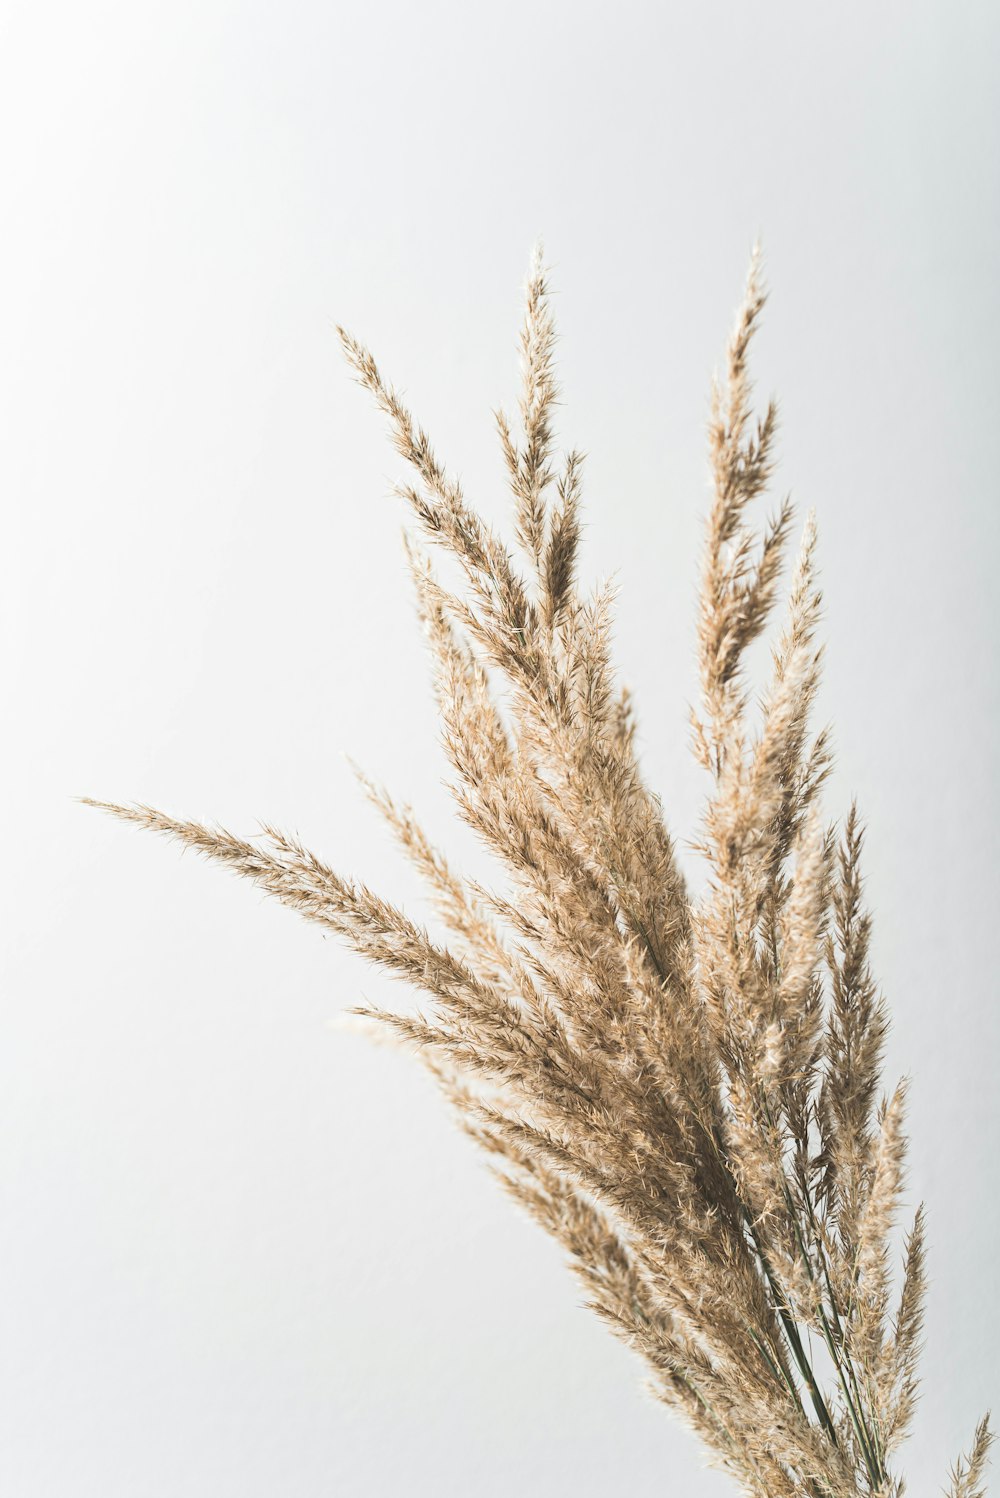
{"points": [[839, 1328], [780, 1304], [860, 1428], [792, 1333]]}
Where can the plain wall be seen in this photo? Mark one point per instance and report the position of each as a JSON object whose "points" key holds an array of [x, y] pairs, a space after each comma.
{"points": [[243, 1253]]}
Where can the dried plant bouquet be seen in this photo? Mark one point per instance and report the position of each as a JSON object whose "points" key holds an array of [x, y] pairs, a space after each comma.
{"points": [[683, 1091]]}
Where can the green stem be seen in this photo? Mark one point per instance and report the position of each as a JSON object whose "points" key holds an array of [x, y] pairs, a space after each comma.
{"points": [[860, 1429], [839, 1326], [777, 1367], [780, 1305], [792, 1333], [855, 1405]]}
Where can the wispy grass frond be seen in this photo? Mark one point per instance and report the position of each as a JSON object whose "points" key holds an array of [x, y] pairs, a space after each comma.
{"points": [[683, 1090]]}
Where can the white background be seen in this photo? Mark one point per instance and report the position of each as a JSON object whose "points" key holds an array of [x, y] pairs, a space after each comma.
{"points": [[241, 1253]]}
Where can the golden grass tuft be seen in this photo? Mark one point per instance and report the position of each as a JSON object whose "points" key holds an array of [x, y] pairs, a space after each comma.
{"points": [[683, 1092]]}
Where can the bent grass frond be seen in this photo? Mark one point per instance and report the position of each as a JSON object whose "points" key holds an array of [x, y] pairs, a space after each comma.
{"points": [[681, 1090]]}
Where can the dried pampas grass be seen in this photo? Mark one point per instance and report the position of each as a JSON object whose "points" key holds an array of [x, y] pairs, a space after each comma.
{"points": [[684, 1092]]}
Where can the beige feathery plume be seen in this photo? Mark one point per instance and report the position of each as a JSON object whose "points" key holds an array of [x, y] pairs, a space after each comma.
{"points": [[967, 1478], [681, 1090]]}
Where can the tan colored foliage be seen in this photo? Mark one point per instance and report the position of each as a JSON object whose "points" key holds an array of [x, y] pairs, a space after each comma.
{"points": [[684, 1092]]}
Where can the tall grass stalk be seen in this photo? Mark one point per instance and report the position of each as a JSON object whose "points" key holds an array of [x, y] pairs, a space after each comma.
{"points": [[684, 1091]]}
